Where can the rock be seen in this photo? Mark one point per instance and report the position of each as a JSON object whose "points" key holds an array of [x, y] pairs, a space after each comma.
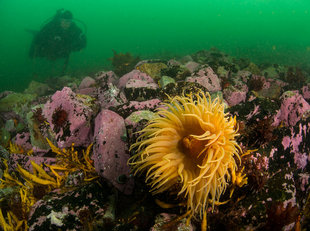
{"points": [[110, 96], [110, 151], [233, 96], [69, 116], [136, 121], [243, 75], [207, 78], [90, 91], [38, 128], [165, 218], [253, 68], [134, 75], [5, 93], [165, 80], [186, 59], [4, 154], [173, 62], [139, 89], [25, 161], [132, 106], [177, 72], [293, 106], [152, 69], [40, 89], [306, 92], [222, 72], [87, 87], [23, 140], [5, 137], [180, 88], [192, 66], [10, 125], [274, 71], [271, 89], [215, 58], [87, 207], [137, 116], [137, 83], [266, 87], [57, 83], [17, 102], [106, 77], [87, 82]]}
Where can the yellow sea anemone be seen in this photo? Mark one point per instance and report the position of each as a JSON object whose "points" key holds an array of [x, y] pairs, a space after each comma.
{"points": [[190, 146]]}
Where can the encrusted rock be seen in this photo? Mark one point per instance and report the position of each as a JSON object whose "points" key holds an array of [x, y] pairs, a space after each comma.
{"points": [[106, 77], [110, 151], [192, 66], [87, 207], [293, 107], [207, 78], [165, 80], [233, 96], [136, 75], [152, 69], [69, 116], [37, 88], [110, 96], [140, 90]]}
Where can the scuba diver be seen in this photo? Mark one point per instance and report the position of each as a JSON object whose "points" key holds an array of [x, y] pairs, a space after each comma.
{"points": [[58, 38]]}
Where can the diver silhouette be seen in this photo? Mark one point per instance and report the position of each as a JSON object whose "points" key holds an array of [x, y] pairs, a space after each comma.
{"points": [[57, 38]]}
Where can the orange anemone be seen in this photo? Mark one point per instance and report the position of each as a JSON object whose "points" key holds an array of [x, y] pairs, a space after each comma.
{"points": [[190, 146]]}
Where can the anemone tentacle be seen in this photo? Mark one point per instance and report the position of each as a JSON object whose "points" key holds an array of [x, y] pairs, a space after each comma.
{"points": [[191, 146]]}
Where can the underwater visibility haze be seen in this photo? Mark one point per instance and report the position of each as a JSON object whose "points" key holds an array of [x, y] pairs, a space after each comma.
{"points": [[155, 115], [263, 30]]}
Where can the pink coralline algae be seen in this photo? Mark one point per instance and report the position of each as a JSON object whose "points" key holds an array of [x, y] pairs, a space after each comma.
{"points": [[25, 161], [87, 87], [304, 181], [87, 82], [234, 96], [106, 77], [144, 105], [253, 113], [306, 92], [71, 208], [110, 152], [207, 78], [244, 76], [292, 108], [110, 96], [293, 142], [69, 116], [23, 140], [137, 83], [192, 66], [134, 75]]}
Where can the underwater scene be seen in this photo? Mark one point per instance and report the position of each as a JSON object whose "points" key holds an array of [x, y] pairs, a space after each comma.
{"points": [[155, 115]]}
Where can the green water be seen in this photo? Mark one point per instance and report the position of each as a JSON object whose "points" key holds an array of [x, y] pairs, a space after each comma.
{"points": [[276, 31]]}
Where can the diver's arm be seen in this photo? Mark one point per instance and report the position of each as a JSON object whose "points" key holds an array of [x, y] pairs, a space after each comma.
{"points": [[46, 33], [78, 39]]}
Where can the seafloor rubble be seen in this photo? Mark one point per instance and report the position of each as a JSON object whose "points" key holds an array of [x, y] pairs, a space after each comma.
{"points": [[65, 147]]}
